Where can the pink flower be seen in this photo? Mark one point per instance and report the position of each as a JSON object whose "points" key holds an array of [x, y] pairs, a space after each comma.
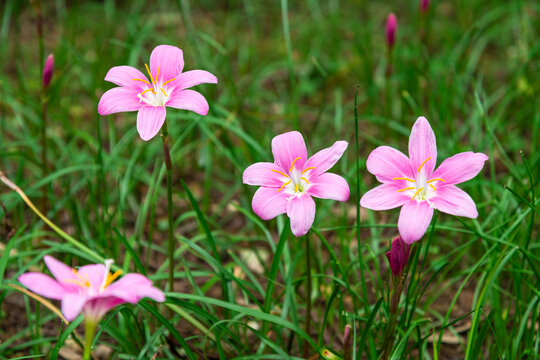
{"points": [[398, 256], [167, 87], [411, 182], [48, 70], [89, 289], [288, 184], [391, 27]]}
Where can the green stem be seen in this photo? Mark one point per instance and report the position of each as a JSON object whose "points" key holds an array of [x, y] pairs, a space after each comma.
{"points": [[168, 166], [89, 330], [307, 240]]}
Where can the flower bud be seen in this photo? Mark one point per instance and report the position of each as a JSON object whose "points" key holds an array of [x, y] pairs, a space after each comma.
{"points": [[391, 27], [398, 256], [424, 5], [48, 70]]}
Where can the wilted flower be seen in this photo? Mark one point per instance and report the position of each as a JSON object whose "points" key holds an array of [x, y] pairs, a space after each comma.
{"points": [[48, 70], [167, 87], [288, 184], [391, 28], [410, 182], [398, 256], [90, 289]]}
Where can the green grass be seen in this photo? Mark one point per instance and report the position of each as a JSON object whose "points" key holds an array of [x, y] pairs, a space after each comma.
{"points": [[471, 67]]}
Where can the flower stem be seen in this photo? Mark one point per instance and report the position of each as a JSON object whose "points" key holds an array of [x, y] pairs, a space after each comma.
{"points": [[89, 330], [307, 240], [168, 166]]}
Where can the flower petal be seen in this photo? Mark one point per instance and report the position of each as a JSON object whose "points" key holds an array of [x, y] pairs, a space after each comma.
{"points": [[188, 100], [118, 100], [195, 77], [170, 61], [261, 174], [42, 285], [287, 147], [94, 273], [460, 167], [384, 197], [414, 220], [59, 270], [454, 201], [125, 76], [268, 203], [329, 186], [422, 146], [387, 163], [326, 158], [134, 287], [72, 305], [301, 211], [149, 120]]}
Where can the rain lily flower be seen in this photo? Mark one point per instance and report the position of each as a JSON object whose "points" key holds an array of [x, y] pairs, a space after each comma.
{"points": [[391, 27], [288, 184], [90, 289], [398, 256], [410, 182], [167, 86], [48, 70]]}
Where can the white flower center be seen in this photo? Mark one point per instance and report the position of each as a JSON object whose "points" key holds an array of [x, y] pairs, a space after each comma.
{"points": [[421, 189], [157, 93], [296, 183]]}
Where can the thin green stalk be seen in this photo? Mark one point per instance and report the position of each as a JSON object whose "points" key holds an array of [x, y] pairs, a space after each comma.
{"points": [[168, 166], [307, 240], [89, 331]]}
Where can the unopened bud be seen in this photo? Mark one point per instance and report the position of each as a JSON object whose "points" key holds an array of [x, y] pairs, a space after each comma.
{"points": [[424, 5], [48, 70], [391, 27], [398, 256]]}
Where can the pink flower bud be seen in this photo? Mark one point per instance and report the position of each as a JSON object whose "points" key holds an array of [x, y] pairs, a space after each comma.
{"points": [[424, 5], [391, 27], [48, 70], [398, 256]]}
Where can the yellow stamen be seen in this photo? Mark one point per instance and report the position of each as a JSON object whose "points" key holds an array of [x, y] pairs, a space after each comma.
{"points": [[149, 73], [147, 90], [76, 282], [279, 172], [307, 169], [284, 184], [168, 81], [425, 161], [398, 178], [432, 180], [408, 188], [416, 193], [112, 277], [303, 178], [163, 91], [144, 81], [296, 188], [292, 165], [157, 74], [433, 187]]}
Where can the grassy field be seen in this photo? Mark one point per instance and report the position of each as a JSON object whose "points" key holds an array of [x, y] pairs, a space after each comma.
{"points": [[472, 68]]}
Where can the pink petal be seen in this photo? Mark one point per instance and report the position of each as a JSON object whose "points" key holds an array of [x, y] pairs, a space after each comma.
{"points": [[384, 197], [118, 100], [124, 75], [329, 186], [326, 158], [422, 146], [97, 306], [188, 100], [301, 211], [414, 220], [133, 287], [454, 201], [268, 203], [150, 119], [42, 285], [287, 147], [94, 273], [72, 305], [261, 174], [170, 61], [195, 77], [62, 272], [460, 167], [387, 163]]}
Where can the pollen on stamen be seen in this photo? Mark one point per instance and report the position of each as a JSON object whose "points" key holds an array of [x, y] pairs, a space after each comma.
{"points": [[407, 188], [416, 193], [303, 178], [112, 277], [284, 184], [403, 178], [147, 90], [149, 73], [168, 81], [425, 161], [144, 81], [279, 172], [163, 91], [307, 169], [438, 179], [433, 187], [292, 165]]}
